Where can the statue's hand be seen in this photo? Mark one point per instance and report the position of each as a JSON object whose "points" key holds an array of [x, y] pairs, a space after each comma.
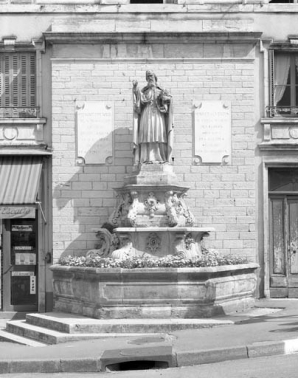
{"points": [[136, 109], [134, 84]]}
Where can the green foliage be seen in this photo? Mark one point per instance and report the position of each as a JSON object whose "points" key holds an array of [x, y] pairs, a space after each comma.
{"points": [[208, 259]]}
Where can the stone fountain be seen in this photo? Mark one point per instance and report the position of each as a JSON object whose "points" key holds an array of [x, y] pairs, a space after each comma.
{"points": [[151, 219]]}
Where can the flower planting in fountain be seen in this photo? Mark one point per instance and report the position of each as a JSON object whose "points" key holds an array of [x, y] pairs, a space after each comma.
{"points": [[209, 258]]}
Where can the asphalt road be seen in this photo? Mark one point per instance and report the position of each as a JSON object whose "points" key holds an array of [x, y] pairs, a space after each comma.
{"points": [[265, 367]]}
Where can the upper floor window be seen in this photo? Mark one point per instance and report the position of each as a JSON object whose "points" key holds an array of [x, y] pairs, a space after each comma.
{"points": [[153, 1], [17, 85], [284, 84], [283, 1]]}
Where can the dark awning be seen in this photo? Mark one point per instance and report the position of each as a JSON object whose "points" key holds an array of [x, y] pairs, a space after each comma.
{"points": [[19, 179]]}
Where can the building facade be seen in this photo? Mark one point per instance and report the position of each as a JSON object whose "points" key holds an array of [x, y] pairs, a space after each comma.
{"points": [[66, 72]]}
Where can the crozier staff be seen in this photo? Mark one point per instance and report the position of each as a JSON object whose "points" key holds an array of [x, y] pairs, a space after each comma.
{"points": [[153, 122]]}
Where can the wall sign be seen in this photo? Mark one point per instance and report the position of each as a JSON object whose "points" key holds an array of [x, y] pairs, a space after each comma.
{"points": [[213, 131], [23, 248], [22, 227], [10, 212], [95, 125], [22, 274]]}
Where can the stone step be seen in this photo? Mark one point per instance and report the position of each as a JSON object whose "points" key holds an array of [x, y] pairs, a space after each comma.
{"points": [[48, 336], [10, 337], [28, 331], [55, 328], [76, 324]]}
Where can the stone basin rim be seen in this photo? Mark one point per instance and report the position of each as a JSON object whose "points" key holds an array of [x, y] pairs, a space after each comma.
{"points": [[208, 269], [164, 229]]}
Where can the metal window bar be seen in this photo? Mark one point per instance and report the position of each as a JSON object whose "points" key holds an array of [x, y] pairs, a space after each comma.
{"points": [[281, 111], [19, 112]]}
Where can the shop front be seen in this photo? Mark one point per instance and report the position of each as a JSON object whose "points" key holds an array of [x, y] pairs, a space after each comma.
{"points": [[22, 223]]}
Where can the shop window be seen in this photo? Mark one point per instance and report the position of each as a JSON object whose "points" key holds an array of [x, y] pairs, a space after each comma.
{"points": [[17, 85], [284, 84]]}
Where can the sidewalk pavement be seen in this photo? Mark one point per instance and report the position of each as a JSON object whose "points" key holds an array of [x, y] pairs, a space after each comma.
{"points": [[271, 328]]}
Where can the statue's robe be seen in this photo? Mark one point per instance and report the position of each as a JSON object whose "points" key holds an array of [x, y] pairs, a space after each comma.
{"points": [[153, 125]]}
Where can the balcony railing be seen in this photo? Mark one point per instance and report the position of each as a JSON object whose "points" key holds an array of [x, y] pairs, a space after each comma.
{"points": [[19, 112], [282, 111]]}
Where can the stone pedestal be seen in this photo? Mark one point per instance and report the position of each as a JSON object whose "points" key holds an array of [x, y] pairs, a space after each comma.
{"points": [[152, 198], [151, 218]]}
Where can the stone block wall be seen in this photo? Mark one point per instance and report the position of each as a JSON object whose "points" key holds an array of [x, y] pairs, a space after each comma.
{"points": [[220, 196]]}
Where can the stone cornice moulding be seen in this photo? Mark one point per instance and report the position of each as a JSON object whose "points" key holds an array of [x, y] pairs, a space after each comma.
{"points": [[279, 134], [127, 2], [281, 120], [17, 47], [22, 131], [41, 7], [149, 60], [151, 37], [120, 3], [23, 121]]}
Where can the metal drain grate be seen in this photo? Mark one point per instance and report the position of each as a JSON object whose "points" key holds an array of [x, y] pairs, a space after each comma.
{"points": [[141, 358], [137, 365]]}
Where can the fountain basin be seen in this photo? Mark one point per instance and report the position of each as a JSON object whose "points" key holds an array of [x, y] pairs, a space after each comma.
{"points": [[115, 293]]}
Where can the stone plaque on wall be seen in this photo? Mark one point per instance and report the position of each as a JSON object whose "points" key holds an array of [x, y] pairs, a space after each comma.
{"points": [[213, 131], [95, 125]]}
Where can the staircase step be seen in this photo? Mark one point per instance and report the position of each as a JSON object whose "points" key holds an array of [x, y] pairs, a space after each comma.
{"points": [[48, 336], [55, 328], [10, 337], [23, 329], [75, 324]]}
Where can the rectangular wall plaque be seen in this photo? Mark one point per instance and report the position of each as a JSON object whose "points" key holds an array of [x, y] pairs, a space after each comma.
{"points": [[95, 125], [213, 131]]}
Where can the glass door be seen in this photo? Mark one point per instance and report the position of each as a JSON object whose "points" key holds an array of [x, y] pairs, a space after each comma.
{"points": [[20, 265]]}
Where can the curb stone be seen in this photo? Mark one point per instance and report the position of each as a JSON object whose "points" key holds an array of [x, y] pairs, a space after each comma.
{"points": [[272, 348], [32, 366], [166, 353], [211, 356], [86, 365]]}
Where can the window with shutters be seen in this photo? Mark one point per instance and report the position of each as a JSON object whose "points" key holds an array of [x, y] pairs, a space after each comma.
{"points": [[284, 83], [153, 1], [18, 85], [283, 1]]}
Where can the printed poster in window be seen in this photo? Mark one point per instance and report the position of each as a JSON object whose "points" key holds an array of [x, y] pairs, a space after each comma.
{"points": [[25, 258]]}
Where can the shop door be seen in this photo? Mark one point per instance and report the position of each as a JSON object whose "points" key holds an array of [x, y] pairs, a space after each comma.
{"points": [[283, 224], [20, 265]]}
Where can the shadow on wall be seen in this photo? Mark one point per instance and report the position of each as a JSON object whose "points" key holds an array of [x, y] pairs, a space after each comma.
{"points": [[86, 200]]}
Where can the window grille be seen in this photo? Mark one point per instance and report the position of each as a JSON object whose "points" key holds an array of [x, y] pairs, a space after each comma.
{"points": [[283, 71]]}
